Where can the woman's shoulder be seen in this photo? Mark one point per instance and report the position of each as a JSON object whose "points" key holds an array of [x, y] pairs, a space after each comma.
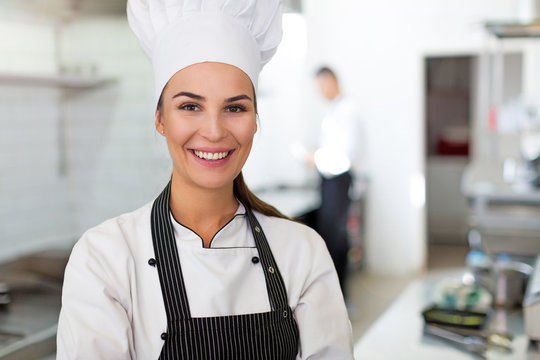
{"points": [[120, 231], [300, 253]]}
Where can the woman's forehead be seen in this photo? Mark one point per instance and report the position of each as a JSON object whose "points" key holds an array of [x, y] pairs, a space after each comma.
{"points": [[209, 75]]}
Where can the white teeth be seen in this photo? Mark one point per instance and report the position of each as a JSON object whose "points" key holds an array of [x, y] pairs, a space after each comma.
{"points": [[211, 156]]}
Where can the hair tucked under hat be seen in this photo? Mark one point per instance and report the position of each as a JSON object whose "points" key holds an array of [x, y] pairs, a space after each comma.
{"points": [[177, 33]]}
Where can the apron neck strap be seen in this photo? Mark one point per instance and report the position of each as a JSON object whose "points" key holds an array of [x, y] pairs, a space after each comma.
{"points": [[274, 281], [168, 261]]}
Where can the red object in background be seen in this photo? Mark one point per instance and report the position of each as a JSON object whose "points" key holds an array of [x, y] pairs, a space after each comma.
{"points": [[447, 148], [492, 119], [354, 224]]}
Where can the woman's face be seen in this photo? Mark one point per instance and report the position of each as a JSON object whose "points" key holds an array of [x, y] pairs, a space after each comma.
{"points": [[208, 118]]}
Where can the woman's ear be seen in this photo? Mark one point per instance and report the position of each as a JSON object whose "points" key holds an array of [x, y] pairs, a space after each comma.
{"points": [[256, 126], [159, 124]]}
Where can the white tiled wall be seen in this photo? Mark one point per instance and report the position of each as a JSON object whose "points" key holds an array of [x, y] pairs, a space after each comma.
{"points": [[27, 45], [117, 162], [33, 204], [114, 160]]}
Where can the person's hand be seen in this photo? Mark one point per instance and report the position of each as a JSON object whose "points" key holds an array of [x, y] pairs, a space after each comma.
{"points": [[310, 160], [301, 154]]}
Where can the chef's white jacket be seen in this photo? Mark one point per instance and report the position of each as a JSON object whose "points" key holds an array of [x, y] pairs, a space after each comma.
{"points": [[112, 304], [341, 142]]}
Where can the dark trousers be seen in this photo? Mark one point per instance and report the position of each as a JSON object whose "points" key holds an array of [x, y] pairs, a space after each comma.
{"points": [[331, 220]]}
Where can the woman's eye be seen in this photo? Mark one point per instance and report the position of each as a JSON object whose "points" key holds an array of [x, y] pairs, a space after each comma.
{"points": [[236, 109], [189, 107]]}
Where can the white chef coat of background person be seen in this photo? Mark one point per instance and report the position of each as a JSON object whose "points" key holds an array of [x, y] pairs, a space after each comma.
{"points": [[340, 138], [207, 270]]}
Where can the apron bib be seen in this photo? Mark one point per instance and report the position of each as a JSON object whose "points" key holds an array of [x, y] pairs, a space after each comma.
{"points": [[270, 335]]}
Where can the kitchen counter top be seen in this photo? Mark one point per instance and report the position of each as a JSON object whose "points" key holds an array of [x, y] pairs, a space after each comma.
{"points": [[28, 329], [487, 179], [291, 201], [398, 333], [504, 210]]}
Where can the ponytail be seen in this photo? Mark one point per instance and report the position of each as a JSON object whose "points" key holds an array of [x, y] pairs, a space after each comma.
{"points": [[249, 199]]}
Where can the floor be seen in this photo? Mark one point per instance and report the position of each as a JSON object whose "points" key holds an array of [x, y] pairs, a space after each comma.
{"points": [[370, 295]]}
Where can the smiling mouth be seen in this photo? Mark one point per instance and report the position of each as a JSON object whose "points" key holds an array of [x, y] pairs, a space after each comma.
{"points": [[211, 156]]}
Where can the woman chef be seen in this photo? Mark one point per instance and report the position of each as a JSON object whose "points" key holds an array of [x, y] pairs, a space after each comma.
{"points": [[207, 270]]}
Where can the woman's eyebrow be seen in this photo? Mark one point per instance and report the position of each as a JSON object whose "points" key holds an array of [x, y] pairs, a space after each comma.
{"points": [[236, 98], [190, 95]]}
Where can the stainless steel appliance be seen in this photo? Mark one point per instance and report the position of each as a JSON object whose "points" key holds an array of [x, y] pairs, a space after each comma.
{"points": [[531, 304]]}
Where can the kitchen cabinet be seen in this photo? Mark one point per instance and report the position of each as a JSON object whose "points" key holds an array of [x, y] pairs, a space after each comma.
{"points": [[447, 206]]}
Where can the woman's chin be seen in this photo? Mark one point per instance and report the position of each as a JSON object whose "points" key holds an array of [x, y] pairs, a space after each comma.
{"points": [[214, 184]]}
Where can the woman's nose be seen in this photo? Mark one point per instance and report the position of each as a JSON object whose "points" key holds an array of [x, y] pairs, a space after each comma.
{"points": [[213, 127]]}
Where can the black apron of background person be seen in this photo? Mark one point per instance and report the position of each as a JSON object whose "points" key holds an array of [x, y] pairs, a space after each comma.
{"points": [[269, 335], [331, 221]]}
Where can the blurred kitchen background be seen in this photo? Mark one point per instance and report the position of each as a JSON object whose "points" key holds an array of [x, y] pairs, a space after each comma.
{"points": [[448, 93]]}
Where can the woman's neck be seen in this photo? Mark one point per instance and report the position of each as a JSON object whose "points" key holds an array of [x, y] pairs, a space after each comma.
{"points": [[203, 211]]}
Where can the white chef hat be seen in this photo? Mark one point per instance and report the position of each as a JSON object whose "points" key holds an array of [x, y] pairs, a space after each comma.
{"points": [[177, 33]]}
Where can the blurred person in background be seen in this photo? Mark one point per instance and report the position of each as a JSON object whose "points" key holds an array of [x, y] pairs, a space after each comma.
{"points": [[337, 151]]}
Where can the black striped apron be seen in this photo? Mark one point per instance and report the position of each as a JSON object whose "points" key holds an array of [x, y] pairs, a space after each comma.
{"points": [[269, 335]]}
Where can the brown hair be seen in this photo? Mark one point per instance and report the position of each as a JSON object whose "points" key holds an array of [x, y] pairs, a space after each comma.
{"points": [[250, 200], [240, 188], [325, 70]]}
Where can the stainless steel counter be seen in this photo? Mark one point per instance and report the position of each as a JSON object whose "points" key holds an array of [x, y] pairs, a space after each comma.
{"points": [[28, 329], [291, 201], [28, 324], [487, 178], [398, 333], [504, 212]]}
